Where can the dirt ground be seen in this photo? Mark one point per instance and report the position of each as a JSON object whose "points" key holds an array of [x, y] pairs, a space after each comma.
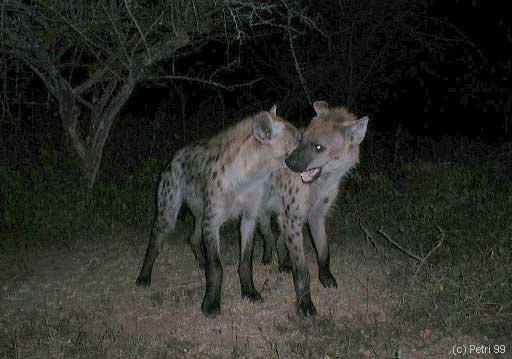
{"points": [[82, 302]]}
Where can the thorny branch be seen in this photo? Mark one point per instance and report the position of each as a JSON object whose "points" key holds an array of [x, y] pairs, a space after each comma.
{"points": [[207, 81], [420, 259]]}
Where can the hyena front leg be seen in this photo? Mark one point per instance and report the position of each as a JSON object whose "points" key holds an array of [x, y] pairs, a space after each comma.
{"points": [[169, 203], [247, 227], [265, 227], [317, 227], [214, 272], [301, 277], [283, 255]]}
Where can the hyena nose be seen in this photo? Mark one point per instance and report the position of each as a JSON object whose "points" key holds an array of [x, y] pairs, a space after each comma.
{"points": [[291, 163], [296, 161]]}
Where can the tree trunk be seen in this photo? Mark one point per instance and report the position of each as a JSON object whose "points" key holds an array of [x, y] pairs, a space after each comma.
{"points": [[92, 160], [88, 158], [90, 166], [89, 152], [69, 114]]}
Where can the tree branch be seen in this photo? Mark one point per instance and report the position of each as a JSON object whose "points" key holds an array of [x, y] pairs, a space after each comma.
{"points": [[205, 81], [39, 74], [166, 49], [143, 38], [297, 66], [107, 116], [98, 76], [107, 95]]}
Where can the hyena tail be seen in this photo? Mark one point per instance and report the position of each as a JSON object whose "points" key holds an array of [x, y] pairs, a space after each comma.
{"points": [[169, 201]]}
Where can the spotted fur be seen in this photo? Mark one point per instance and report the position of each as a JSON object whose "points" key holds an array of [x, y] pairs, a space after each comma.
{"points": [[329, 150], [221, 179]]}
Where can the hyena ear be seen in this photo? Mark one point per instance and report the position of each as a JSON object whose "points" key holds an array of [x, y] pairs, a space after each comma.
{"points": [[266, 127], [358, 130], [273, 110], [321, 107]]}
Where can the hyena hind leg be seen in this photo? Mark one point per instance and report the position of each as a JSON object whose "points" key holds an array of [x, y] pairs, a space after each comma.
{"points": [[214, 271], [169, 203]]}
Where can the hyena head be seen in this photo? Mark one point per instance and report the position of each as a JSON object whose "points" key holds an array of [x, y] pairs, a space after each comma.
{"points": [[277, 137], [330, 143]]}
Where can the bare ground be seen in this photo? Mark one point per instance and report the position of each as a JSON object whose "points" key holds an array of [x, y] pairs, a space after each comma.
{"points": [[82, 302]]}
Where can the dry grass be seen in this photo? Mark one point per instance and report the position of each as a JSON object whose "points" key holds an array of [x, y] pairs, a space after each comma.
{"points": [[74, 296]]}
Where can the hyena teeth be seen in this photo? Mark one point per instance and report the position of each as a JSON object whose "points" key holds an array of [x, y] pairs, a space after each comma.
{"points": [[310, 175]]}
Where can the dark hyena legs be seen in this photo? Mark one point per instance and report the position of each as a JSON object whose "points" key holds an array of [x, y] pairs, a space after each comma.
{"points": [[214, 272], [283, 255], [195, 240], [210, 227], [247, 227], [169, 203], [264, 222], [317, 228], [301, 277]]}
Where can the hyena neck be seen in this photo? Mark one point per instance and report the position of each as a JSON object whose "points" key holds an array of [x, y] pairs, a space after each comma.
{"points": [[251, 165], [257, 166], [334, 178]]}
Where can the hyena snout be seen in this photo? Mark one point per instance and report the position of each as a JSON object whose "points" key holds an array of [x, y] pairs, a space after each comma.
{"points": [[298, 160], [292, 164]]}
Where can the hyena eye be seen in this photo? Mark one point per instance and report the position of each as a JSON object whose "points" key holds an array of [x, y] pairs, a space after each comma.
{"points": [[319, 148]]}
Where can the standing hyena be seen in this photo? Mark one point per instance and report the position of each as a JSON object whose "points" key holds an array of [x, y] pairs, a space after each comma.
{"points": [[329, 149], [218, 180]]}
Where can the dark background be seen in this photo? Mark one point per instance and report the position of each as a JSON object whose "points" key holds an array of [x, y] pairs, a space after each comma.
{"points": [[453, 81]]}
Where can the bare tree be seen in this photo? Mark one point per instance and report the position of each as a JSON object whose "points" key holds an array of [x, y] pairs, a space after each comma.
{"points": [[90, 55]]}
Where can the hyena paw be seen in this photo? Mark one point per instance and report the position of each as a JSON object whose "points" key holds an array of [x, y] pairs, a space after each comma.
{"points": [[143, 281], [306, 308], [252, 295], [328, 280], [210, 308]]}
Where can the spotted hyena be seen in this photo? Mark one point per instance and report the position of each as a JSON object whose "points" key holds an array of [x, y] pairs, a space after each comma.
{"points": [[220, 179], [305, 192]]}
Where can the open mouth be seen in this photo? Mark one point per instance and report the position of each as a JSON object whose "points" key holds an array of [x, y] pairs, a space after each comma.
{"points": [[310, 175]]}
